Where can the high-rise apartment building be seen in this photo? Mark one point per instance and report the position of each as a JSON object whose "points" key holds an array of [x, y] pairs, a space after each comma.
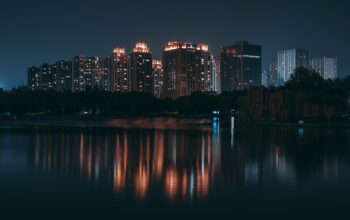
{"points": [[64, 75], [78, 67], [104, 83], [265, 78], [157, 78], [288, 61], [141, 74], [325, 66], [187, 68], [240, 66], [86, 72], [34, 78], [119, 71], [273, 74], [48, 77], [216, 75]]}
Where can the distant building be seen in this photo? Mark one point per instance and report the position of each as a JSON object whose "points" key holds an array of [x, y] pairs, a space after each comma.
{"points": [[86, 72], [141, 74], [34, 78], [158, 78], [119, 71], [325, 66], [92, 72], [187, 68], [216, 75], [105, 74], [56, 76], [288, 61], [273, 74], [265, 79], [64, 75], [48, 77], [240, 66], [78, 67]]}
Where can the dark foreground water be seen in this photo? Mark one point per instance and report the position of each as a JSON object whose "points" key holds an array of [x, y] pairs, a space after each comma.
{"points": [[192, 172]]}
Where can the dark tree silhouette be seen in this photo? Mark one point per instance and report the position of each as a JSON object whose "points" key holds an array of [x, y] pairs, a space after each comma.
{"points": [[305, 86], [304, 79]]}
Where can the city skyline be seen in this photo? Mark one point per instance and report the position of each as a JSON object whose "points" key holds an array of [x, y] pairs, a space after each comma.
{"points": [[188, 68], [183, 68], [35, 32]]}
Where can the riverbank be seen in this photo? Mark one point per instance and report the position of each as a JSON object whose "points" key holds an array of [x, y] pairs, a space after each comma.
{"points": [[340, 124], [109, 122], [159, 122]]}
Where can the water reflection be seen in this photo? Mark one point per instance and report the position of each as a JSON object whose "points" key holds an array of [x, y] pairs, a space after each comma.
{"points": [[191, 164]]}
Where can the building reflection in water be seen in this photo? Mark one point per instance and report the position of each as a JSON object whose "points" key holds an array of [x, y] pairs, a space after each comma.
{"points": [[142, 171], [120, 162], [184, 164], [232, 131]]}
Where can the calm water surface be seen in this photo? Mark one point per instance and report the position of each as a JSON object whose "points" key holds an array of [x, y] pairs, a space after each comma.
{"points": [[155, 169]]}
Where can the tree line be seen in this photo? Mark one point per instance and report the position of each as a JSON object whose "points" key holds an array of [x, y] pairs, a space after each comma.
{"points": [[22, 101]]}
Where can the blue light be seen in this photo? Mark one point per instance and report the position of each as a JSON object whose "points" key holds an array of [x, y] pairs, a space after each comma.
{"points": [[216, 112], [301, 132]]}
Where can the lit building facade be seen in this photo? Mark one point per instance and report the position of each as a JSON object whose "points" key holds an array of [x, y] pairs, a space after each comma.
{"points": [[104, 83], [265, 81], [78, 67], [48, 77], [273, 74], [325, 66], [187, 68], [92, 72], [51, 76], [34, 78], [216, 75], [141, 73], [87, 73], [157, 78], [119, 71], [288, 61], [240, 66], [64, 75]]}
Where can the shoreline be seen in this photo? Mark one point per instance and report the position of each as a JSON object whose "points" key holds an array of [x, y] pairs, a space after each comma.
{"points": [[305, 125], [173, 121], [111, 122]]}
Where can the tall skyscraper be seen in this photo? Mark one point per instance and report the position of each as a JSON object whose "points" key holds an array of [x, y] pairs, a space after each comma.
{"points": [[158, 78], [141, 68], [187, 68], [288, 61], [325, 66], [119, 71], [273, 74], [240, 66]]}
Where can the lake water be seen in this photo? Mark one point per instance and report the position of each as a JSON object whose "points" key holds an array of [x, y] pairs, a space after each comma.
{"points": [[173, 168]]}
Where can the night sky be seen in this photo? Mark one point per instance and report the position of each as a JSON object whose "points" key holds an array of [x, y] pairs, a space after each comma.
{"points": [[34, 32]]}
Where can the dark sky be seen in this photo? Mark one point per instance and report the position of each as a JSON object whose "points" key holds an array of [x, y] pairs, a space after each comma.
{"points": [[37, 31]]}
